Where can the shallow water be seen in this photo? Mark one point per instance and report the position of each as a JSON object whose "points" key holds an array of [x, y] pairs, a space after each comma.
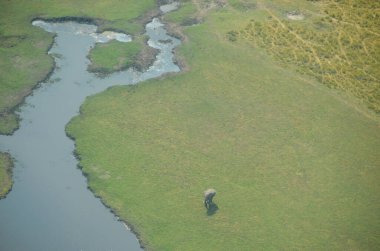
{"points": [[50, 207], [169, 7]]}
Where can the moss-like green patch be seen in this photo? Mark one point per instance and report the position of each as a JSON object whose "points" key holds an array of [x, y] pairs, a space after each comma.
{"points": [[295, 164], [23, 58], [5, 174]]}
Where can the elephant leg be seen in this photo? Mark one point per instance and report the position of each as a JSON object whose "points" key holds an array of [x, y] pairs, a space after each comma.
{"points": [[207, 204]]}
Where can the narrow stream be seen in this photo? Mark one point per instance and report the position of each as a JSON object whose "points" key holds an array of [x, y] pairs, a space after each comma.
{"points": [[50, 207]]}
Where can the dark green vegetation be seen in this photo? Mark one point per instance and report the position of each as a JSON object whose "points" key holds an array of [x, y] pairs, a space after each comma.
{"points": [[23, 58], [5, 174], [338, 43], [295, 164]]}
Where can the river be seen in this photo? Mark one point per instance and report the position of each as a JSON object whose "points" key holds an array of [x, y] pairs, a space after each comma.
{"points": [[50, 206]]}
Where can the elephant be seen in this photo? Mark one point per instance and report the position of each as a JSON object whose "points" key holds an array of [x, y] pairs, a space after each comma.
{"points": [[209, 195]]}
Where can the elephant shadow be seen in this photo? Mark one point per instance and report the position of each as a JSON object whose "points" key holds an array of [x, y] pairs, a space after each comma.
{"points": [[212, 209]]}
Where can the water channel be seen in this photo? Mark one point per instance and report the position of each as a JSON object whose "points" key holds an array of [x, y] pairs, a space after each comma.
{"points": [[50, 207]]}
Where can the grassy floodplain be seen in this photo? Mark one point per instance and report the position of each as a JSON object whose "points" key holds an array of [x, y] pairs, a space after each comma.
{"points": [[23, 47], [295, 164], [5, 174]]}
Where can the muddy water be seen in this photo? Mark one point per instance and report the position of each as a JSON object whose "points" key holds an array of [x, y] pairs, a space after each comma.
{"points": [[50, 207]]}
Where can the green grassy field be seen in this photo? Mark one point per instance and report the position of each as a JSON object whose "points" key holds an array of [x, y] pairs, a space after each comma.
{"points": [[295, 164], [5, 174], [23, 58]]}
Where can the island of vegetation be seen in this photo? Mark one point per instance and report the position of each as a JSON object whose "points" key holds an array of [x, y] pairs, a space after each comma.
{"points": [[116, 56]]}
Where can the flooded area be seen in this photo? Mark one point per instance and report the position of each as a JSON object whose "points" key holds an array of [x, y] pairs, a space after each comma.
{"points": [[50, 206]]}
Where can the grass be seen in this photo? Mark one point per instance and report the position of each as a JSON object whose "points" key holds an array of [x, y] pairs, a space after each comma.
{"points": [[295, 164], [338, 43], [23, 58], [5, 174], [114, 56], [187, 12], [8, 123]]}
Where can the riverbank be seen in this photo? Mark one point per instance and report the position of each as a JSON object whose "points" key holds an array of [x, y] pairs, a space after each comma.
{"points": [[5, 174], [295, 164], [27, 46]]}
